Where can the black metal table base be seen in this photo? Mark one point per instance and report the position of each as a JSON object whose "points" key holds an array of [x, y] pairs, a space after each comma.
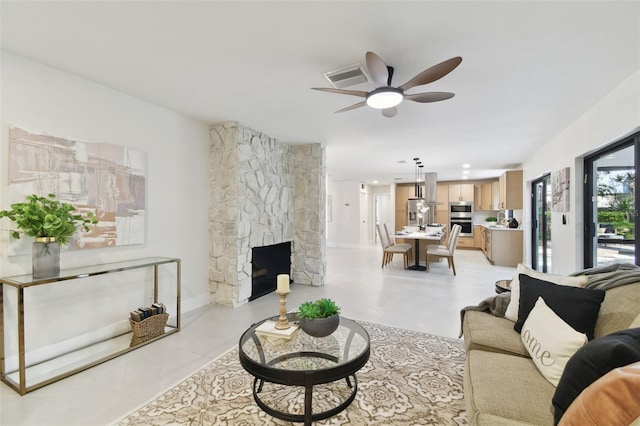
{"points": [[417, 267], [309, 416]]}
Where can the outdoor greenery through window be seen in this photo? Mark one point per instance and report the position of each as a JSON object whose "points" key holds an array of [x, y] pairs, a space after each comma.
{"points": [[611, 211], [616, 203]]}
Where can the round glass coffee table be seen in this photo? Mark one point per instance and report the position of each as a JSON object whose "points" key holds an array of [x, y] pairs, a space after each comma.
{"points": [[304, 378]]}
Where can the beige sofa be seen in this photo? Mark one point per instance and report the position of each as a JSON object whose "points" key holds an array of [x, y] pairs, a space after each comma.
{"points": [[502, 385]]}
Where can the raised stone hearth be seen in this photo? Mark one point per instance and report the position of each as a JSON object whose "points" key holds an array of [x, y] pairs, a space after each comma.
{"points": [[263, 192]]}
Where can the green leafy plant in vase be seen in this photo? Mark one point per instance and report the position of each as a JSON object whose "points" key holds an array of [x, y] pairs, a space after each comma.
{"points": [[51, 222], [319, 318]]}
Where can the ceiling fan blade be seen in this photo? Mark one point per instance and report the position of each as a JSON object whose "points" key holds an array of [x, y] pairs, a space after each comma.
{"points": [[390, 112], [349, 108], [432, 74], [342, 91], [429, 97], [377, 69]]}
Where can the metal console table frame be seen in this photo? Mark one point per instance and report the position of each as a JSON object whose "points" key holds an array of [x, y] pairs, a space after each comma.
{"points": [[21, 282], [303, 362]]}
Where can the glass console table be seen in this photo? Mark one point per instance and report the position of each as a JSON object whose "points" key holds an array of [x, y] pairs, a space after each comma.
{"points": [[26, 378]]}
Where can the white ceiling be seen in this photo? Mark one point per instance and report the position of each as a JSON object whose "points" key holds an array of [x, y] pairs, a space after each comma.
{"points": [[529, 69]]}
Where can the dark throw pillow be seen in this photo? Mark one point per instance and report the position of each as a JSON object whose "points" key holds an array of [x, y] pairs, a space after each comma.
{"points": [[592, 361], [577, 306]]}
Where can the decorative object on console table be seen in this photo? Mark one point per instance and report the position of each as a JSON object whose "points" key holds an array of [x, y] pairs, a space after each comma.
{"points": [[52, 223], [148, 328], [319, 318], [45, 260]]}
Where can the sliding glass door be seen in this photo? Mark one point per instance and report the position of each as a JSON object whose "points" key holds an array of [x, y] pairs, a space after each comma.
{"points": [[611, 206], [541, 223]]}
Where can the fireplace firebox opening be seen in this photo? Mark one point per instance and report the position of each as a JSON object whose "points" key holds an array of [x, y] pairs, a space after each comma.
{"points": [[267, 262]]}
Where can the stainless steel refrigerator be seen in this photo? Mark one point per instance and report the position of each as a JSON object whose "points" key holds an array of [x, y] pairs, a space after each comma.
{"points": [[421, 212]]}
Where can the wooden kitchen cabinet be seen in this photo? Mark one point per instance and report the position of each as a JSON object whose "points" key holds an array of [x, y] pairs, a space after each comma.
{"points": [[489, 196], [487, 244], [478, 236], [511, 190], [403, 193], [495, 195], [466, 242], [442, 198], [486, 196], [461, 192], [504, 247], [442, 218], [477, 197]]}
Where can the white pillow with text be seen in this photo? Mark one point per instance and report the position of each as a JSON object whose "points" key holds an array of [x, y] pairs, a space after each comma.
{"points": [[550, 341]]}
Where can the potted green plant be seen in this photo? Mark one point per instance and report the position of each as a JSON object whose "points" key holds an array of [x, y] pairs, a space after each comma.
{"points": [[51, 223], [319, 318]]}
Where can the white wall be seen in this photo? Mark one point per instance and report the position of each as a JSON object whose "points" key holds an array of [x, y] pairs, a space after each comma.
{"points": [[41, 98], [344, 229], [616, 115]]}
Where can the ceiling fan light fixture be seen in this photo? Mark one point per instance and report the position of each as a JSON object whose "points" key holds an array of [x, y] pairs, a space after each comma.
{"points": [[384, 97]]}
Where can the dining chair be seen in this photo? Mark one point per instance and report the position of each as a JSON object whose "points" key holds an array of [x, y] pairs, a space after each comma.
{"points": [[403, 246], [389, 249], [446, 250]]}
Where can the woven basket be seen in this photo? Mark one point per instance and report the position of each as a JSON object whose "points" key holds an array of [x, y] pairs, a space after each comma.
{"points": [[148, 328]]}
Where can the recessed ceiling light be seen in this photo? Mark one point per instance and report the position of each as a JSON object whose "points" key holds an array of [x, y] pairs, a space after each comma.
{"points": [[466, 166], [466, 172], [375, 181], [465, 177]]}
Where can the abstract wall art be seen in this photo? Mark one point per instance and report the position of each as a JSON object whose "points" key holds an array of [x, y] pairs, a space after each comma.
{"points": [[104, 178], [560, 190]]}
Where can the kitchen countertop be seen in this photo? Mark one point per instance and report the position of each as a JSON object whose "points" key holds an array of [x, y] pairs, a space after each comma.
{"points": [[498, 227]]}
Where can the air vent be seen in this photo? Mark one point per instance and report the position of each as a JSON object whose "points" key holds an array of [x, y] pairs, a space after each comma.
{"points": [[346, 76]]}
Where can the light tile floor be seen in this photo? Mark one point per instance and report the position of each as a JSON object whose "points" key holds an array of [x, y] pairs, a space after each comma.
{"points": [[428, 302]]}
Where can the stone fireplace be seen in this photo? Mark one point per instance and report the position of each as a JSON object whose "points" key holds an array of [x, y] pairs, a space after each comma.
{"points": [[263, 192]]}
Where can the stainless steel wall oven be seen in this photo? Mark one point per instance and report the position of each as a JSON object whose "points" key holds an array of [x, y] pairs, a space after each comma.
{"points": [[461, 213]]}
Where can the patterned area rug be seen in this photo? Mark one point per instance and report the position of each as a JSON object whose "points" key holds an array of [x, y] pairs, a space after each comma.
{"points": [[411, 378]]}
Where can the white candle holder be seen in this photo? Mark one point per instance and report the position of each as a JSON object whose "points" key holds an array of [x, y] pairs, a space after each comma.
{"points": [[283, 323]]}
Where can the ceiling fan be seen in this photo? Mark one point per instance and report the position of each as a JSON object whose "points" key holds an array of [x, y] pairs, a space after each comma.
{"points": [[386, 97]]}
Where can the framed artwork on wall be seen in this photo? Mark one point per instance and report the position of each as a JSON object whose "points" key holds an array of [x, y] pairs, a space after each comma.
{"points": [[560, 190], [104, 178]]}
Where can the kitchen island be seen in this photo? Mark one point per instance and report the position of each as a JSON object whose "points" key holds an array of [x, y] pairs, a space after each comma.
{"points": [[503, 246]]}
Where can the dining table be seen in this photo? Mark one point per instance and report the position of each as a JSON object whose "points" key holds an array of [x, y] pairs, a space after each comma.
{"points": [[431, 234]]}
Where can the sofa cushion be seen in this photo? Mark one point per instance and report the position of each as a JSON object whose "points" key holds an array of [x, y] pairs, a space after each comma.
{"points": [[613, 399], [578, 307], [513, 307], [550, 341], [619, 309], [636, 322], [591, 362], [505, 386], [484, 331]]}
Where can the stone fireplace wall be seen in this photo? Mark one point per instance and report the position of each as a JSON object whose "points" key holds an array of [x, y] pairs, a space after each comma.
{"points": [[310, 227], [263, 192]]}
